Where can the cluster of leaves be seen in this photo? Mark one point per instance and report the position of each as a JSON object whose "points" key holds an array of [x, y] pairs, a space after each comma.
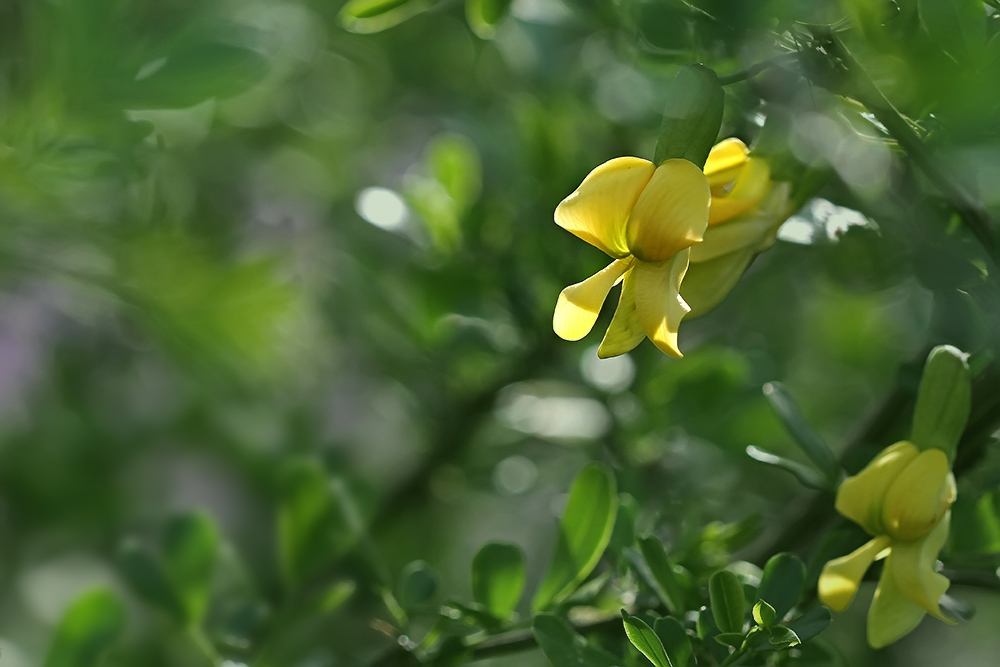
{"points": [[180, 195]]}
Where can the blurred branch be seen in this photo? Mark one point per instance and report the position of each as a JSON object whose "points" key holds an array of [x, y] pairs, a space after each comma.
{"points": [[758, 68], [454, 433], [835, 64]]}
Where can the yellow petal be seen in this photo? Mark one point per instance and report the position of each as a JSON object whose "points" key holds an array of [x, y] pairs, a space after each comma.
{"points": [[707, 283], [912, 565], [671, 213], [860, 497], [749, 188], [580, 304], [725, 161], [598, 210], [841, 577], [747, 232], [625, 331], [892, 614], [918, 497], [659, 306]]}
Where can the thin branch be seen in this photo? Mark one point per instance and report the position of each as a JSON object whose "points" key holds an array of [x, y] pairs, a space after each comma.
{"points": [[758, 68], [866, 91]]}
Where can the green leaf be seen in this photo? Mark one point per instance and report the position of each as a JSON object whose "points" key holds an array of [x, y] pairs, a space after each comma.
{"points": [[783, 636], [811, 623], [623, 535], [454, 162], [306, 522], [782, 582], [665, 582], [692, 117], [811, 443], [584, 532], [725, 594], [763, 614], [957, 26], [370, 16], [143, 571], [675, 641], [190, 547], [418, 585], [484, 15], [807, 475], [564, 647], [193, 70], [498, 578], [943, 402], [645, 639], [87, 629], [976, 524]]}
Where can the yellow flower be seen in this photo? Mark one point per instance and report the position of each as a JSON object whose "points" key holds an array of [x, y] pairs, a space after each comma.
{"points": [[646, 217], [903, 499], [747, 209]]}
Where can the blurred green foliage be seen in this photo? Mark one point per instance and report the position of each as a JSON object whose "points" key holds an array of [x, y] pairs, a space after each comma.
{"points": [[275, 349]]}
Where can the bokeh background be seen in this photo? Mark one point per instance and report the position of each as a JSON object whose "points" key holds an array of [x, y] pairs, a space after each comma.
{"points": [[245, 240]]}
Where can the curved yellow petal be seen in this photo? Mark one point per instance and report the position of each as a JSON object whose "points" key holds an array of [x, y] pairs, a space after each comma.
{"points": [[750, 186], [580, 304], [748, 232], [708, 283], [912, 565], [860, 497], [659, 306], [671, 213], [724, 162], [841, 577], [625, 330], [918, 497], [598, 210], [892, 615]]}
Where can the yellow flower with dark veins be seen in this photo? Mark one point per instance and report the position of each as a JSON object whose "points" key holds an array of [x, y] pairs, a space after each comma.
{"points": [[903, 500], [747, 209], [646, 217]]}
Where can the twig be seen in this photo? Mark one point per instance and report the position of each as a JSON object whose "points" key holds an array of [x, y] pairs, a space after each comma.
{"points": [[865, 90], [758, 68]]}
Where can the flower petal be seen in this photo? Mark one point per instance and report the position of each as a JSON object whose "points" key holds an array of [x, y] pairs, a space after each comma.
{"points": [[919, 496], [749, 188], [912, 566], [671, 213], [598, 210], [860, 497], [625, 331], [659, 306], [724, 162], [708, 283], [892, 615], [580, 304], [841, 577], [748, 232]]}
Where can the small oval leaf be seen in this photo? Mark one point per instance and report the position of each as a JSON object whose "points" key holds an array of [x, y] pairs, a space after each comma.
{"points": [[498, 578], [725, 593]]}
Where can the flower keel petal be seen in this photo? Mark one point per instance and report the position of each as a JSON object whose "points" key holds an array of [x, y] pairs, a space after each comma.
{"points": [[625, 331], [892, 615], [659, 306], [860, 497]]}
